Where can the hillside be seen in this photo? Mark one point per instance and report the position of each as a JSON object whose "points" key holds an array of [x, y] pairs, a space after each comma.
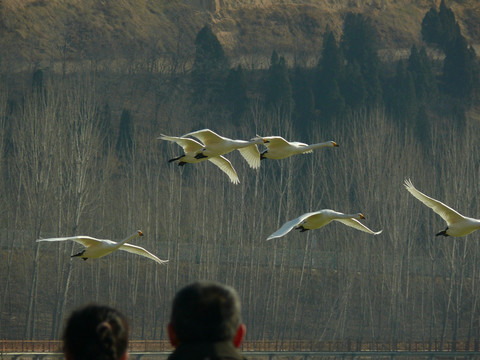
{"points": [[45, 31], [80, 156]]}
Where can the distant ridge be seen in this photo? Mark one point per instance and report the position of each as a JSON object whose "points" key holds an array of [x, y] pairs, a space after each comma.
{"points": [[34, 31]]}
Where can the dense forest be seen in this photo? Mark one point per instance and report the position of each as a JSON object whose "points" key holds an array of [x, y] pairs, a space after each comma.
{"points": [[80, 155]]}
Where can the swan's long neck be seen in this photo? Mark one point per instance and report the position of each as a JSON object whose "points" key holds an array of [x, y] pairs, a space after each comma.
{"points": [[318, 145], [242, 143], [350, 216], [475, 222], [131, 237]]}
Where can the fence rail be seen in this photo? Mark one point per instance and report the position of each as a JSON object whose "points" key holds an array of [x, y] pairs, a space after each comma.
{"points": [[51, 346]]}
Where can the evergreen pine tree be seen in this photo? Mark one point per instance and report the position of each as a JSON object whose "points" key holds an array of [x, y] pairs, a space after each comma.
{"points": [[331, 62], [449, 28], [334, 104], [401, 99], [330, 69], [440, 27], [278, 92], [431, 27], [236, 93], [304, 109], [420, 66], [209, 69], [359, 44], [37, 80], [354, 87], [460, 72]]}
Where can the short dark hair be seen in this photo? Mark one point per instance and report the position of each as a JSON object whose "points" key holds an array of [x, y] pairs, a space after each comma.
{"points": [[206, 311], [96, 332]]}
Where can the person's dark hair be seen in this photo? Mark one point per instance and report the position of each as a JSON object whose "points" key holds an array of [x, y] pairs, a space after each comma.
{"points": [[205, 311], [96, 332]]}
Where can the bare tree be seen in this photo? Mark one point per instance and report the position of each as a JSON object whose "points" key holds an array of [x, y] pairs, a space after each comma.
{"points": [[36, 148]]}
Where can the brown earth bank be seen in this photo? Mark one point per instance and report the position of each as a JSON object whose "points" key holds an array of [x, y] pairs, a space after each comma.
{"points": [[36, 31], [49, 346]]}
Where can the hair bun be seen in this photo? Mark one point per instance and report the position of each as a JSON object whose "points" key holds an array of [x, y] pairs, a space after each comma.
{"points": [[104, 326]]}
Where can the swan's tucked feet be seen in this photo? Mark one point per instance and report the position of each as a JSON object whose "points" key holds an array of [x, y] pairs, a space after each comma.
{"points": [[181, 163], [200, 156], [262, 155], [444, 233], [301, 228], [79, 254], [177, 158]]}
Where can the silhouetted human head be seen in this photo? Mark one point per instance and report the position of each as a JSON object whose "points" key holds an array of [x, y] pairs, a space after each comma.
{"points": [[96, 332], [206, 312]]}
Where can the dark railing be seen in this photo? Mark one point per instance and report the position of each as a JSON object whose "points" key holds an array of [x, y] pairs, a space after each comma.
{"points": [[51, 346]]}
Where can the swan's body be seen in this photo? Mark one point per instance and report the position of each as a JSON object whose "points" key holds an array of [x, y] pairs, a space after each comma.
{"points": [[457, 224], [192, 148], [318, 219], [216, 145], [97, 248], [279, 148]]}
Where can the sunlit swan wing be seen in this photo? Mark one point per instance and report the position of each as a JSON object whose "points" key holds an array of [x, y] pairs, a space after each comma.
{"points": [[280, 144], [86, 241], [354, 223], [446, 212], [206, 136], [226, 166], [277, 142], [189, 145], [289, 225], [142, 252], [251, 155], [457, 224]]}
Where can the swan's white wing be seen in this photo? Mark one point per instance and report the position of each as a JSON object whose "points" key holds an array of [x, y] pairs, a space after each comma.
{"points": [[276, 142], [206, 136], [226, 166], [188, 145], [84, 240], [142, 252], [358, 225], [446, 212], [251, 155], [289, 225]]}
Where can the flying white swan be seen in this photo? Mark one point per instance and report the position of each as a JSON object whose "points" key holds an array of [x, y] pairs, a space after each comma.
{"points": [[318, 219], [457, 224], [279, 148], [192, 147], [216, 145], [97, 248]]}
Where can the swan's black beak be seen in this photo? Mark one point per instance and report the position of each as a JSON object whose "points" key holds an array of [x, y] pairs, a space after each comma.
{"points": [[361, 216], [140, 233], [335, 144]]}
